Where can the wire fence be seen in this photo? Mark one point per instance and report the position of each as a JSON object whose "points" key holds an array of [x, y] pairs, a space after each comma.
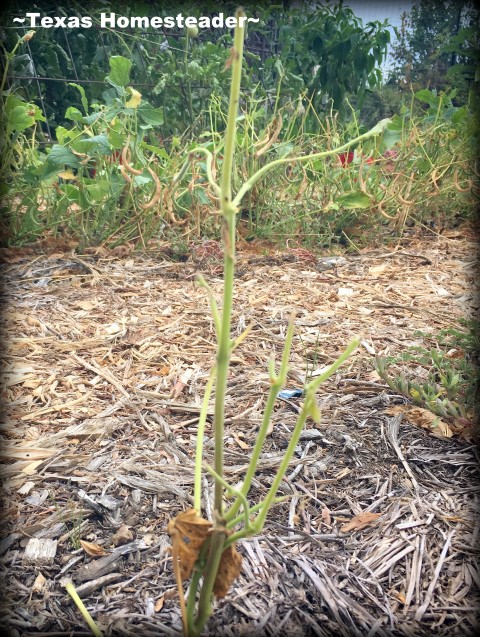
{"points": [[49, 68], [56, 59]]}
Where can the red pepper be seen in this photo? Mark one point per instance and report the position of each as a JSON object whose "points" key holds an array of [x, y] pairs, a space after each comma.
{"points": [[346, 158]]}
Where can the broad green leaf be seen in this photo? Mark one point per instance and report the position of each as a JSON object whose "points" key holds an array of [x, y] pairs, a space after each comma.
{"points": [[332, 206], [117, 140], [39, 117], [4, 189], [283, 149], [97, 145], [74, 114], [61, 156], [341, 50], [370, 62], [151, 115], [460, 115], [120, 70], [383, 38], [44, 172], [396, 123], [140, 180], [111, 96], [83, 97], [426, 96], [202, 197], [19, 119], [319, 164], [390, 138], [12, 102], [360, 61], [72, 193], [160, 152], [91, 119], [51, 59], [354, 199], [99, 191]]}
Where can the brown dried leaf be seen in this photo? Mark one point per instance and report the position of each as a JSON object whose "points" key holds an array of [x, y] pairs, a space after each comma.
{"points": [[240, 443], [159, 604], [228, 571], [177, 389], [423, 418], [170, 593], [188, 532], [38, 584], [122, 536], [360, 521], [94, 550], [326, 517]]}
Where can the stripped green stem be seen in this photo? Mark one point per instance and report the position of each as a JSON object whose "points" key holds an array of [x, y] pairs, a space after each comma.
{"points": [[221, 536], [276, 384], [197, 491], [228, 231]]}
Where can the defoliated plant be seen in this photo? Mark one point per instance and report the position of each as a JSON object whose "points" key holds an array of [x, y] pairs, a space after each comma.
{"points": [[205, 549]]}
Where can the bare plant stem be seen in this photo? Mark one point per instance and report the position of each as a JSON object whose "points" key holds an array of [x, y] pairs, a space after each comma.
{"points": [[216, 543], [208, 562], [228, 211]]}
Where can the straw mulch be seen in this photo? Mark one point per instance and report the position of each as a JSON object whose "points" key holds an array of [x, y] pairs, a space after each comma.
{"points": [[106, 358]]}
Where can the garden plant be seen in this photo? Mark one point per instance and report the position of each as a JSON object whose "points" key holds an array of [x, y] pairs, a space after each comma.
{"points": [[205, 549]]}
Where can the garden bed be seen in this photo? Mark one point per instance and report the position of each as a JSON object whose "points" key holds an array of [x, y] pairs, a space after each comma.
{"points": [[107, 355]]}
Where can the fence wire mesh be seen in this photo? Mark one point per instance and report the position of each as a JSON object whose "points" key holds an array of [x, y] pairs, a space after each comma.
{"points": [[57, 59]]}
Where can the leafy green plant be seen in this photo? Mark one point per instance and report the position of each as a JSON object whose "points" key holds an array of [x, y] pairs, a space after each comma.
{"points": [[18, 121], [174, 71], [203, 549], [443, 378], [331, 50], [437, 48], [108, 167], [423, 169], [18, 127], [179, 73]]}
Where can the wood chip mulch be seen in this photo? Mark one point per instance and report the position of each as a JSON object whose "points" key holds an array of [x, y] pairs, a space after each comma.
{"points": [[105, 361]]}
